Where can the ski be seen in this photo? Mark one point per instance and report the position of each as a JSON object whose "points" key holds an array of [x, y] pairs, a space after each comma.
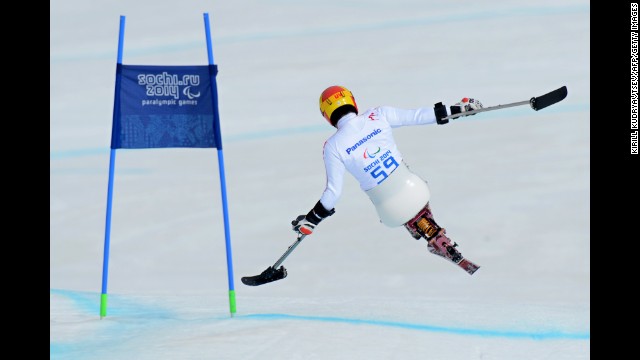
{"points": [[468, 266], [440, 244], [455, 257], [272, 273], [266, 276], [548, 99], [536, 103]]}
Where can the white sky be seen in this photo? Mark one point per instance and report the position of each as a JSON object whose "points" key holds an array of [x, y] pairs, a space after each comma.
{"points": [[510, 186]]}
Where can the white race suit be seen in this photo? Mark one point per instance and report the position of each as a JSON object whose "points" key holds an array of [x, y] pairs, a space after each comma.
{"points": [[364, 145]]}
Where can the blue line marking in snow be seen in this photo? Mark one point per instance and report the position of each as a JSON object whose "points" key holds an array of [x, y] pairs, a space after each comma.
{"points": [[259, 135], [111, 333], [525, 110], [264, 134], [66, 154], [512, 334], [88, 302], [152, 316]]}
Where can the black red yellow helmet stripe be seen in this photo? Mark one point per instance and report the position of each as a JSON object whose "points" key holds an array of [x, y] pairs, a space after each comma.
{"points": [[334, 97]]}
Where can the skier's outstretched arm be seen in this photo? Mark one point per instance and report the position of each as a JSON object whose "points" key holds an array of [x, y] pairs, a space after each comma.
{"points": [[425, 116]]}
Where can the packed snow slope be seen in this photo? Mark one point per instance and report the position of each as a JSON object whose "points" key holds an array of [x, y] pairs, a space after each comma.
{"points": [[510, 186]]}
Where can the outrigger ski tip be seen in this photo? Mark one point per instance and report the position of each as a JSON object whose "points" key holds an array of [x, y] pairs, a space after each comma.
{"points": [[548, 99], [273, 272], [267, 276]]}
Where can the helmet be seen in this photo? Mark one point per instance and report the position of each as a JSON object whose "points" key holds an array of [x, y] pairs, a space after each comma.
{"points": [[333, 98]]}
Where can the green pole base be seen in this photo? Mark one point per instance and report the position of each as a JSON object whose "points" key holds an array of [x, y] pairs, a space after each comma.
{"points": [[232, 302], [103, 306]]}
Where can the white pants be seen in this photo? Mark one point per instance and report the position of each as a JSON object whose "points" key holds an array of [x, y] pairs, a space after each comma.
{"points": [[400, 196]]}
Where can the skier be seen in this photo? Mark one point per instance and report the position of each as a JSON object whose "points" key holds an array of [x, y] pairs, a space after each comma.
{"points": [[363, 145]]}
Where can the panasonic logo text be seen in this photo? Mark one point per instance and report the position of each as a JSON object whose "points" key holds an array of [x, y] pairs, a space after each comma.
{"points": [[363, 140]]}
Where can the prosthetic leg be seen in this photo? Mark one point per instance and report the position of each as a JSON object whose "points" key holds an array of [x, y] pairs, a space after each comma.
{"points": [[424, 226]]}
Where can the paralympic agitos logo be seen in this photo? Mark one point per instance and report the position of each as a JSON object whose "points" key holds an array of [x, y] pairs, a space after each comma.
{"points": [[370, 155]]}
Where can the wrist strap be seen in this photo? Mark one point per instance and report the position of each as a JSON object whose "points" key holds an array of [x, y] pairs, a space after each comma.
{"points": [[318, 213], [441, 112]]}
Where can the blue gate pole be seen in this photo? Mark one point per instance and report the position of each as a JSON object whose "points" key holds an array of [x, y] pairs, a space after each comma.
{"points": [[112, 162], [213, 70]]}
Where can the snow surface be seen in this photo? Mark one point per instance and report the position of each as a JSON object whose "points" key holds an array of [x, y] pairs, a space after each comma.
{"points": [[510, 186]]}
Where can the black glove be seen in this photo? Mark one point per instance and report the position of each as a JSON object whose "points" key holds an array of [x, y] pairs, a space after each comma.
{"points": [[304, 224]]}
